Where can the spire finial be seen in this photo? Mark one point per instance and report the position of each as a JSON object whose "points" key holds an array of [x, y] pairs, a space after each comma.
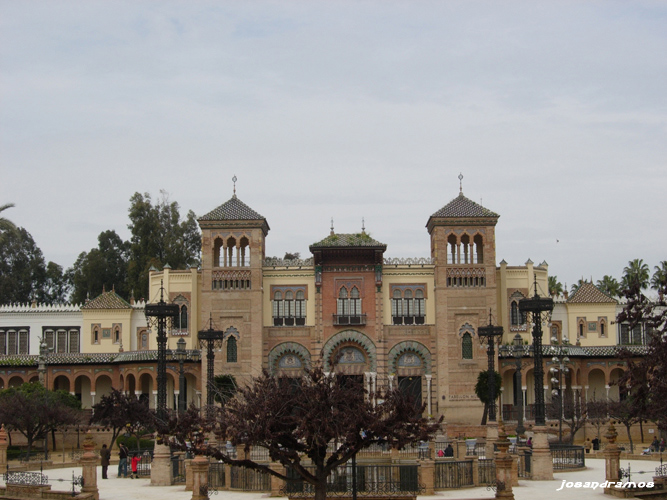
{"points": [[460, 183], [363, 225], [332, 229], [234, 179]]}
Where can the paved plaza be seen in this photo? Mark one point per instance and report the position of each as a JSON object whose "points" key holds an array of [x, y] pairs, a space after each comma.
{"points": [[125, 489]]}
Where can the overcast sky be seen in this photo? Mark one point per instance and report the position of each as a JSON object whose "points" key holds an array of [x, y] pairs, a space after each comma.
{"points": [[554, 111]]}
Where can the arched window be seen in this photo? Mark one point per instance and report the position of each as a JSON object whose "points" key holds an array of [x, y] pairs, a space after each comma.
{"points": [[290, 308], [466, 346], [96, 335], [514, 314], [343, 305], [408, 307], [355, 302], [397, 307], [278, 308], [231, 350], [420, 311], [300, 312], [603, 332], [581, 329], [184, 318], [116, 335]]}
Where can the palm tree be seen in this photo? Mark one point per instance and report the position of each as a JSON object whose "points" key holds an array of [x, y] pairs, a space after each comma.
{"points": [[555, 286], [609, 286], [659, 276], [636, 273], [5, 224]]}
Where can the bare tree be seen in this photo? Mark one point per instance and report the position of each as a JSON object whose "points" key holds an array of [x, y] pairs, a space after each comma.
{"points": [[310, 425], [121, 412]]}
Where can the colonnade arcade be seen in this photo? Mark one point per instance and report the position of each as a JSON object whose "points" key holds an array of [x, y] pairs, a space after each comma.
{"points": [[91, 384], [585, 381]]}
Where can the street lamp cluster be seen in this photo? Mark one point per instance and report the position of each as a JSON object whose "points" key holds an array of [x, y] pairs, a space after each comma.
{"points": [[493, 335], [182, 355], [560, 360]]}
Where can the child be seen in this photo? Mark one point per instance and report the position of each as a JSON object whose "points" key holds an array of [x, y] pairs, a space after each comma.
{"points": [[135, 461]]}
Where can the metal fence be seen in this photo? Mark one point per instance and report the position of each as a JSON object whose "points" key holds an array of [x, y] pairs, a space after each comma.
{"points": [[144, 465], [567, 456], [453, 474], [216, 475], [178, 468], [525, 470], [34, 455], [248, 479], [371, 480], [487, 471]]}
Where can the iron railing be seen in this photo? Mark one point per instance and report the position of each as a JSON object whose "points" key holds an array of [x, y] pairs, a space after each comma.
{"points": [[144, 465], [249, 479], [525, 470], [567, 456], [349, 319], [371, 480], [178, 468], [487, 471], [216, 475], [453, 474]]}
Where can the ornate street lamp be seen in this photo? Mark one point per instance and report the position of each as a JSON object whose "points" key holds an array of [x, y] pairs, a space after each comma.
{"points": [[212, 338], [557, 373], [539, 309], [181, 355], [492, 334], [161, 316], [517, 352]]}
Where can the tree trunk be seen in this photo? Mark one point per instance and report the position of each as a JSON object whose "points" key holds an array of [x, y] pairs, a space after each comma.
{"points": [[641, 429], [632, 447], [321, 490]]}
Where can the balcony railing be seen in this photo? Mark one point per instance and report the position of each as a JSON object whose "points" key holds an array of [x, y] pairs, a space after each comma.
{"points": [[408, 320], [346, 319], [289, 321]]}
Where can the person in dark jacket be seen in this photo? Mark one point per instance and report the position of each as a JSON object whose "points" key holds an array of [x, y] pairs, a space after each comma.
{"points": [[122, 464], [105, 455]]}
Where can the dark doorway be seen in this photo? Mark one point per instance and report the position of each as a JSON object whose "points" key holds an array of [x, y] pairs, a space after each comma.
{"points": [[411, 386]]}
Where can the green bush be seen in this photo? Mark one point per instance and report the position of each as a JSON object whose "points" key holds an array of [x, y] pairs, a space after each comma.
{"points": [[131, 443], [13, 452]]}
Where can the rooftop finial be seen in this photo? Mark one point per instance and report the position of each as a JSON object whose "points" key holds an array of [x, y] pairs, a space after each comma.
{"points": [[460, 183], [363, 225], [234, 179], [332, 229]]}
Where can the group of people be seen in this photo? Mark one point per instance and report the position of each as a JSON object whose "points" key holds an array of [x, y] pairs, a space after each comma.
{"points": [[123, 454], [658, 445]]}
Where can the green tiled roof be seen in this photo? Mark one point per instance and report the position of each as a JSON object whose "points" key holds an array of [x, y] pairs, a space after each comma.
{"points": [[107, 300], [79, 358], [464, 207], [610, 351], [348, 240]]}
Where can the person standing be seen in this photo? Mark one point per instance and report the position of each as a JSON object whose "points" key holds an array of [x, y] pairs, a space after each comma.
{"points": [[122, 463], [135, 462], [105, 455]]}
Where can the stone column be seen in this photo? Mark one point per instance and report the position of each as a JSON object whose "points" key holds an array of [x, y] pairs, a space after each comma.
{"points": [[276, 482], [542, 465], [200, 478], [503, 466], [188, 474], [427, 469], [161, 469], [475, 469], [491, 437], [460, 447], [428, 394], [3, 448], [612, 457], [89, 467]]}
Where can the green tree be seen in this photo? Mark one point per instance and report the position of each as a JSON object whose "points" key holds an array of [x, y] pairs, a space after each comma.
{"points": [[56, 285], [609, 286], [555, 286], [159, 237], [577, 285], [5, 224], [482, 390], [659, 279], [22, 268], [121, 412], [636, 272], [33, 411], [104, 267]]}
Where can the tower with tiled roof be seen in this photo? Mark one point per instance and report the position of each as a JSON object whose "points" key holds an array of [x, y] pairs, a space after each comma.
{"points": [[463, 248], [233, 243]]}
